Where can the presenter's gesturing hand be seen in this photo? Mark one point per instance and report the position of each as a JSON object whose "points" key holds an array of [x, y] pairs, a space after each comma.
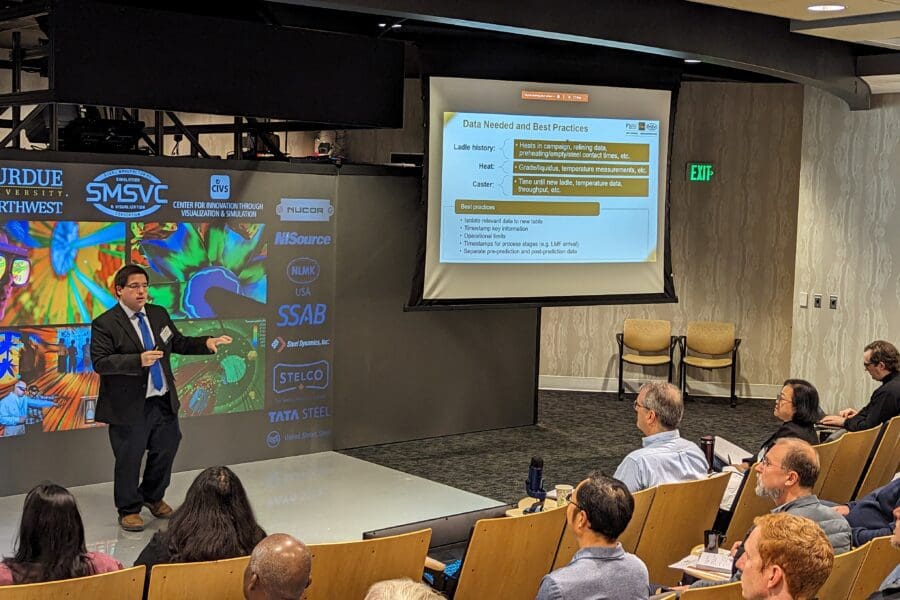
{"points": [[150, 356], [213, 342]]}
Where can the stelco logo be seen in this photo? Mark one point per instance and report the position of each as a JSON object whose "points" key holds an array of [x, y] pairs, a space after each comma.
{"points": [[126, 193], [306, 376], [303, 271]]}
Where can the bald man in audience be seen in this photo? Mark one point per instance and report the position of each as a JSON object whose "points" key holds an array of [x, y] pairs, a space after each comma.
{"points": [[279, 569], [786, 558], [665, 457]]}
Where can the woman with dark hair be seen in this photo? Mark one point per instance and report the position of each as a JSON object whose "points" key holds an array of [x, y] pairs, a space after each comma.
{"points": [[797, 407], [214, 522], [51, 546]]}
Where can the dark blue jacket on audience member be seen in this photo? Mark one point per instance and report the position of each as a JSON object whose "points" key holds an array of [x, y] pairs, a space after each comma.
{"points": [[872, 515]]}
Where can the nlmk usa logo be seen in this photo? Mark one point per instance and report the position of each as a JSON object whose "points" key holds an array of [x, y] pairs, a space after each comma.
{"points": [[303, 270], [126, 193], [305, 376]]}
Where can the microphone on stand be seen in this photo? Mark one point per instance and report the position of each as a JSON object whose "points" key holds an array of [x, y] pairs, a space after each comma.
{"points": [[534, 485]]}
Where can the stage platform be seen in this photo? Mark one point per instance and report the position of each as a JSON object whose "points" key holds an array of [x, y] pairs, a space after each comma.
{"points": [[324, 497]]}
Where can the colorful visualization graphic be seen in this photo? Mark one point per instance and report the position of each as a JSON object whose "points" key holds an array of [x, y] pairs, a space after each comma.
{"points": [[58, 272], [202, 270], [231, 381], [46, 377]]}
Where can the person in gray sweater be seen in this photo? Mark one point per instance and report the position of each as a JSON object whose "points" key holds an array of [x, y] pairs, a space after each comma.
{"points": [[598, 512], [787, 475]]}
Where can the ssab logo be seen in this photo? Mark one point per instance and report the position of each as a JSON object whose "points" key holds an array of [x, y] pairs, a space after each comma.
{"points": [[292, 315], [220, 187], [303, 271], [126, 193]]}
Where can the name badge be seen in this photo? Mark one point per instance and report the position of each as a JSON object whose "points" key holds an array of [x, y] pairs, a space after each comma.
{"points": [[165, 334]]}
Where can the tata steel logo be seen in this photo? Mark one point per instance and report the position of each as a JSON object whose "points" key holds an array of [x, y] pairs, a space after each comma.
{"points": [[303, 271], [306, 376], [126, 193], [304, 209]]}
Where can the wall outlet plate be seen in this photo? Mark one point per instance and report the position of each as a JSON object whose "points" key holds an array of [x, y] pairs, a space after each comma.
{"points": [[817, 300], [832, 302]]}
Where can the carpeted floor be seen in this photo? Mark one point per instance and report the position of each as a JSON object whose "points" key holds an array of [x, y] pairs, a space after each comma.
{"points": [[576, 432]]}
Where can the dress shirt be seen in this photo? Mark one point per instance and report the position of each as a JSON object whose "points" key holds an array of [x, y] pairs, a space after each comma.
{"points": [[598, 573], [665, 458], [151, 391]]}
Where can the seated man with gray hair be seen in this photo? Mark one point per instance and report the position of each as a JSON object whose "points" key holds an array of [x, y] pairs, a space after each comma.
{"points": [[278, 569], [665, 457]]}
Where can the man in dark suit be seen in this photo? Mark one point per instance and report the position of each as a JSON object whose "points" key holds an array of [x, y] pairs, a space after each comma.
{"points": [[130, 348]]}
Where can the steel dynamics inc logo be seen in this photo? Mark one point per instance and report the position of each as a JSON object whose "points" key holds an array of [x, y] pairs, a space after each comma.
{"points": [[126, 193]]}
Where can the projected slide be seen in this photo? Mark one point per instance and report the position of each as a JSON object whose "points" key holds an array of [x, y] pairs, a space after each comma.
{"points": [[56, 272], [548, 189], [202, 270], [232, 380]]}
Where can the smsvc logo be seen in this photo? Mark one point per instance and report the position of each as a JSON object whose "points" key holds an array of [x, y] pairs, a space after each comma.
{"points": [[304, 209], [220, 187], [273, 439], [306, 376], [303, 271], [126, 193]]}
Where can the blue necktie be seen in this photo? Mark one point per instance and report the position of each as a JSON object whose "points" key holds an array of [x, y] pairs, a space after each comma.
{"points": [[156, 375]]}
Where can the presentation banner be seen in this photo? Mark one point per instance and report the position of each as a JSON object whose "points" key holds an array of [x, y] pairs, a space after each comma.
{"points": [[248, 254]]}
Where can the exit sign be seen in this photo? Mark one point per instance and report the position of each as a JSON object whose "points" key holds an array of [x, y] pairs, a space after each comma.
{"points": [[700, 171]]}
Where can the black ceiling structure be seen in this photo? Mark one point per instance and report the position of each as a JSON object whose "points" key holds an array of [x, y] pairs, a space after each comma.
{"points": [[340, 64]]}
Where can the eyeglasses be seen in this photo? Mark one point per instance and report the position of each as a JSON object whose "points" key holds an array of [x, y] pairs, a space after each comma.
{"points": [[137, 286], [568, 499], [19, 269], [636, 404], [780, 398], [765, 462], [867, 364]]}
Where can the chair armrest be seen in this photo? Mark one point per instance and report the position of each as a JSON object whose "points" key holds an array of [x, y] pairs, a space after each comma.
{"points": [[434, 564], [737, 342]]}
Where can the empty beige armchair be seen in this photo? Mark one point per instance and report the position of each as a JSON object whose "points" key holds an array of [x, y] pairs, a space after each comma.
{"points": [[712, 339], [649, 336]]}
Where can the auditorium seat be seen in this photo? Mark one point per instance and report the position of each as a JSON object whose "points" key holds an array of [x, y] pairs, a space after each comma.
{"points": [[878, 563], [846, 469], [127, 584], [348, 569], [843, 574], [747, 507], [729, 591], [507, 557], [645, 335], [568, 545], [711, 339], [886, 461], [211, 580], [678, 516], [826, 452]]}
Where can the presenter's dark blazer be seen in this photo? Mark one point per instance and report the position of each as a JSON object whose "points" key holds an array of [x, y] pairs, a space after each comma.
{"points": [[116, 355]]}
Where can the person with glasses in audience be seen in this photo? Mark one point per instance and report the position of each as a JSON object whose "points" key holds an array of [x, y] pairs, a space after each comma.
{"points": [[882, 362], [787, 558], [797, 407], [15, 270], [665, 456], [50, 545], [14, 409], [598, 511], [786, 475], [279, 569], [130, 348]]}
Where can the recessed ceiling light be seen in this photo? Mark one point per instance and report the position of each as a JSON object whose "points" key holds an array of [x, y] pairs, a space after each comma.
{"points": [[826, 7], [692, 61], [396, 26], [382, 24]]}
